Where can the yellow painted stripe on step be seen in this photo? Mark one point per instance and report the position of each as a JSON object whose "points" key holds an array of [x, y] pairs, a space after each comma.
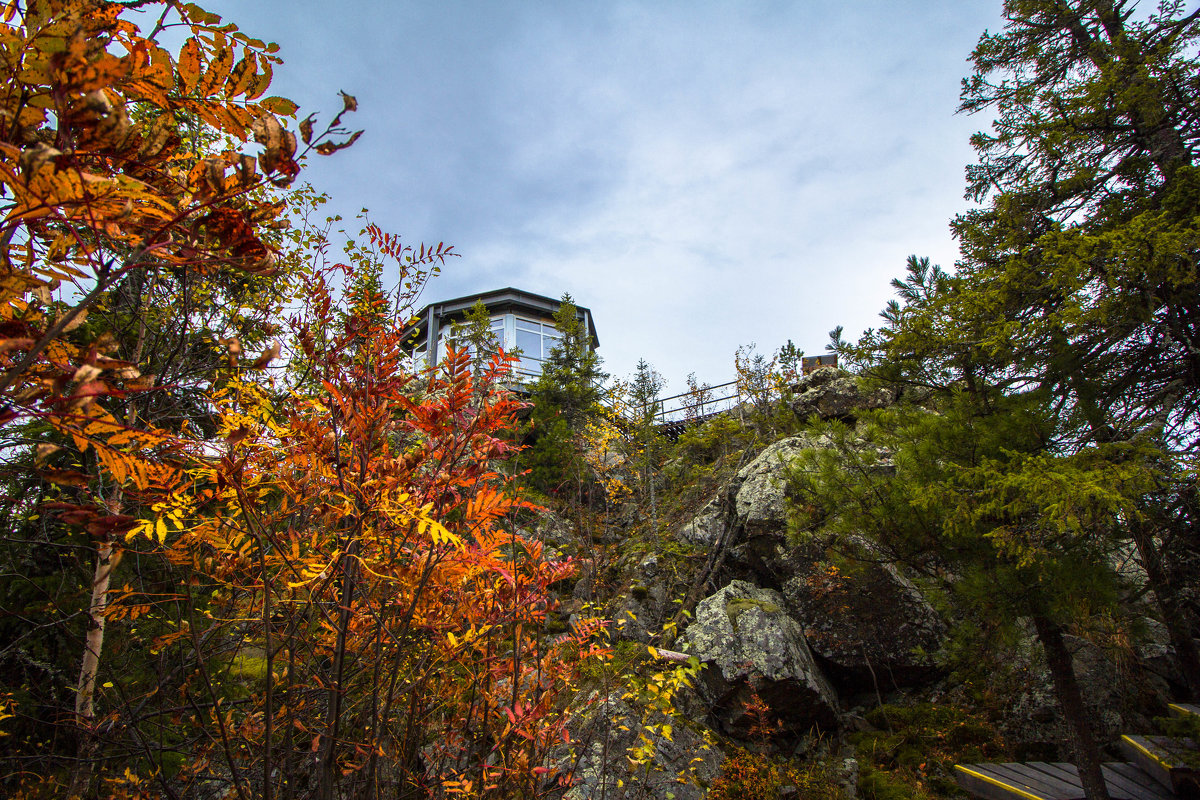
{"points": [[1184, 710], [989, 779], [1148, 753]]}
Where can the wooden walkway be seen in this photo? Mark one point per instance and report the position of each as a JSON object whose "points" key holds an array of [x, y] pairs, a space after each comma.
{"points": [[1038, 780], [1159, 768], [673, 429]]}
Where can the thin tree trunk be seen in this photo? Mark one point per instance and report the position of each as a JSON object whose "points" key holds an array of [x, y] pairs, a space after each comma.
{"points": [[1157, 577], [327, 775], [1161, 586], [1062, 671], [106, 560], [85, 690]]}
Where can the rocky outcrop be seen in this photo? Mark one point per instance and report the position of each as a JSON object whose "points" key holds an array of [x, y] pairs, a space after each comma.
{"points": [[791, 632], [597, 762], [639, 614], [828, 393], [869, 626], [760, 505], [706, 528], [555, 533], [750, 645], [1119, 696]]}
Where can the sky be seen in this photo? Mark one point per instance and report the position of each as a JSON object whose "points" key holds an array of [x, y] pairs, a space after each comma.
{"points": [[701, 175]]}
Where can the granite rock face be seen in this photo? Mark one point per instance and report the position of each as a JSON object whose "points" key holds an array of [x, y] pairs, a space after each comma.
{"points": [[871, 627], [749, 644], [828, 393], [707, 527], [639, 615], [597, 761], [760, 504]]}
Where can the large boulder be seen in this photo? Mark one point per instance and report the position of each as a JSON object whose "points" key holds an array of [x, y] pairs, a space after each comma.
{"points": [[869, 625], [639, 613], [760, 504], [760, 511], [708, 527], [829, 393], [750, 645], [598, 761]]}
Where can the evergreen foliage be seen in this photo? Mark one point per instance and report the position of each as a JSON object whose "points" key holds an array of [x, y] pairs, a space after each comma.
{"points": [[565, 396], [476, 334], [1064, 347], [645, 442]]}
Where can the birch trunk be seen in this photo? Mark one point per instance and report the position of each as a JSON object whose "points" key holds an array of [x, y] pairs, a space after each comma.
{"points": [[106, 561]]}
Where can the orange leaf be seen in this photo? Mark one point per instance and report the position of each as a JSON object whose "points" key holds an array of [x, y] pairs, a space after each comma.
{"points": [[189, 65]]}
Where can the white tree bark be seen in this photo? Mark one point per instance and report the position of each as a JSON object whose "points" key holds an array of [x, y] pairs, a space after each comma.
{"points": [[106, 561]]}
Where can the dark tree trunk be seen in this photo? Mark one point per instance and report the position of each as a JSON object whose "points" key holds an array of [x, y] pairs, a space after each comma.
{"points": [[1174, 618], [1062, 671]]}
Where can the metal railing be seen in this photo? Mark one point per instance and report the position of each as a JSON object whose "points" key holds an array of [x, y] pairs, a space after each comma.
{"points": [[698, 404], [701, 403]]}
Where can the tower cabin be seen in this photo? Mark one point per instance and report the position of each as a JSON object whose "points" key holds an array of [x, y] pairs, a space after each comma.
{"points": [[520, 320]]}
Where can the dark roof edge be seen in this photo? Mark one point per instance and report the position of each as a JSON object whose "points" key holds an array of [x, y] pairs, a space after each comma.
{"points": [[501, 297]]}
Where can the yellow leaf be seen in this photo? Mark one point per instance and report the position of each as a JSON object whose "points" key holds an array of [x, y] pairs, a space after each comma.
{"points": [[160, 528]]}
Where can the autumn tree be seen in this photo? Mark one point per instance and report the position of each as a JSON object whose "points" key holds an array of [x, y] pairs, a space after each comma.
{"points": [[313, 575], [132, 249], [396, 613]]}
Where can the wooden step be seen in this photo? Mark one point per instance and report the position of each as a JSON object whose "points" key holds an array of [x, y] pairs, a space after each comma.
{"points": [[1172, 762], [1038, 780], [1184, 709]]}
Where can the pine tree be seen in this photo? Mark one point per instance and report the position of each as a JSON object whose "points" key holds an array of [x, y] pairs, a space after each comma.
{"points": [[564, 396], [979, 504], [1079, 276], [476, 334], [1076, 292]]}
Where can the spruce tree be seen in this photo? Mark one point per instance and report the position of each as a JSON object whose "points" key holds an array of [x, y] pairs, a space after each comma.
{"points": [[645, 442], [565, 395]]}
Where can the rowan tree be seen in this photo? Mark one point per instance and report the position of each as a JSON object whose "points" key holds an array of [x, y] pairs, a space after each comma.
{"points": [[378, 573], [141, 259], [106, 207]]}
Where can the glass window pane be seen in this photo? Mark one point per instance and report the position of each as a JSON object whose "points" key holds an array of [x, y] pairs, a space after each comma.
{"points": [[530, 343]]}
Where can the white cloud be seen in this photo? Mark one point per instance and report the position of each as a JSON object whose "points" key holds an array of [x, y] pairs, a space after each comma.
{"points": [[701, 175]]}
